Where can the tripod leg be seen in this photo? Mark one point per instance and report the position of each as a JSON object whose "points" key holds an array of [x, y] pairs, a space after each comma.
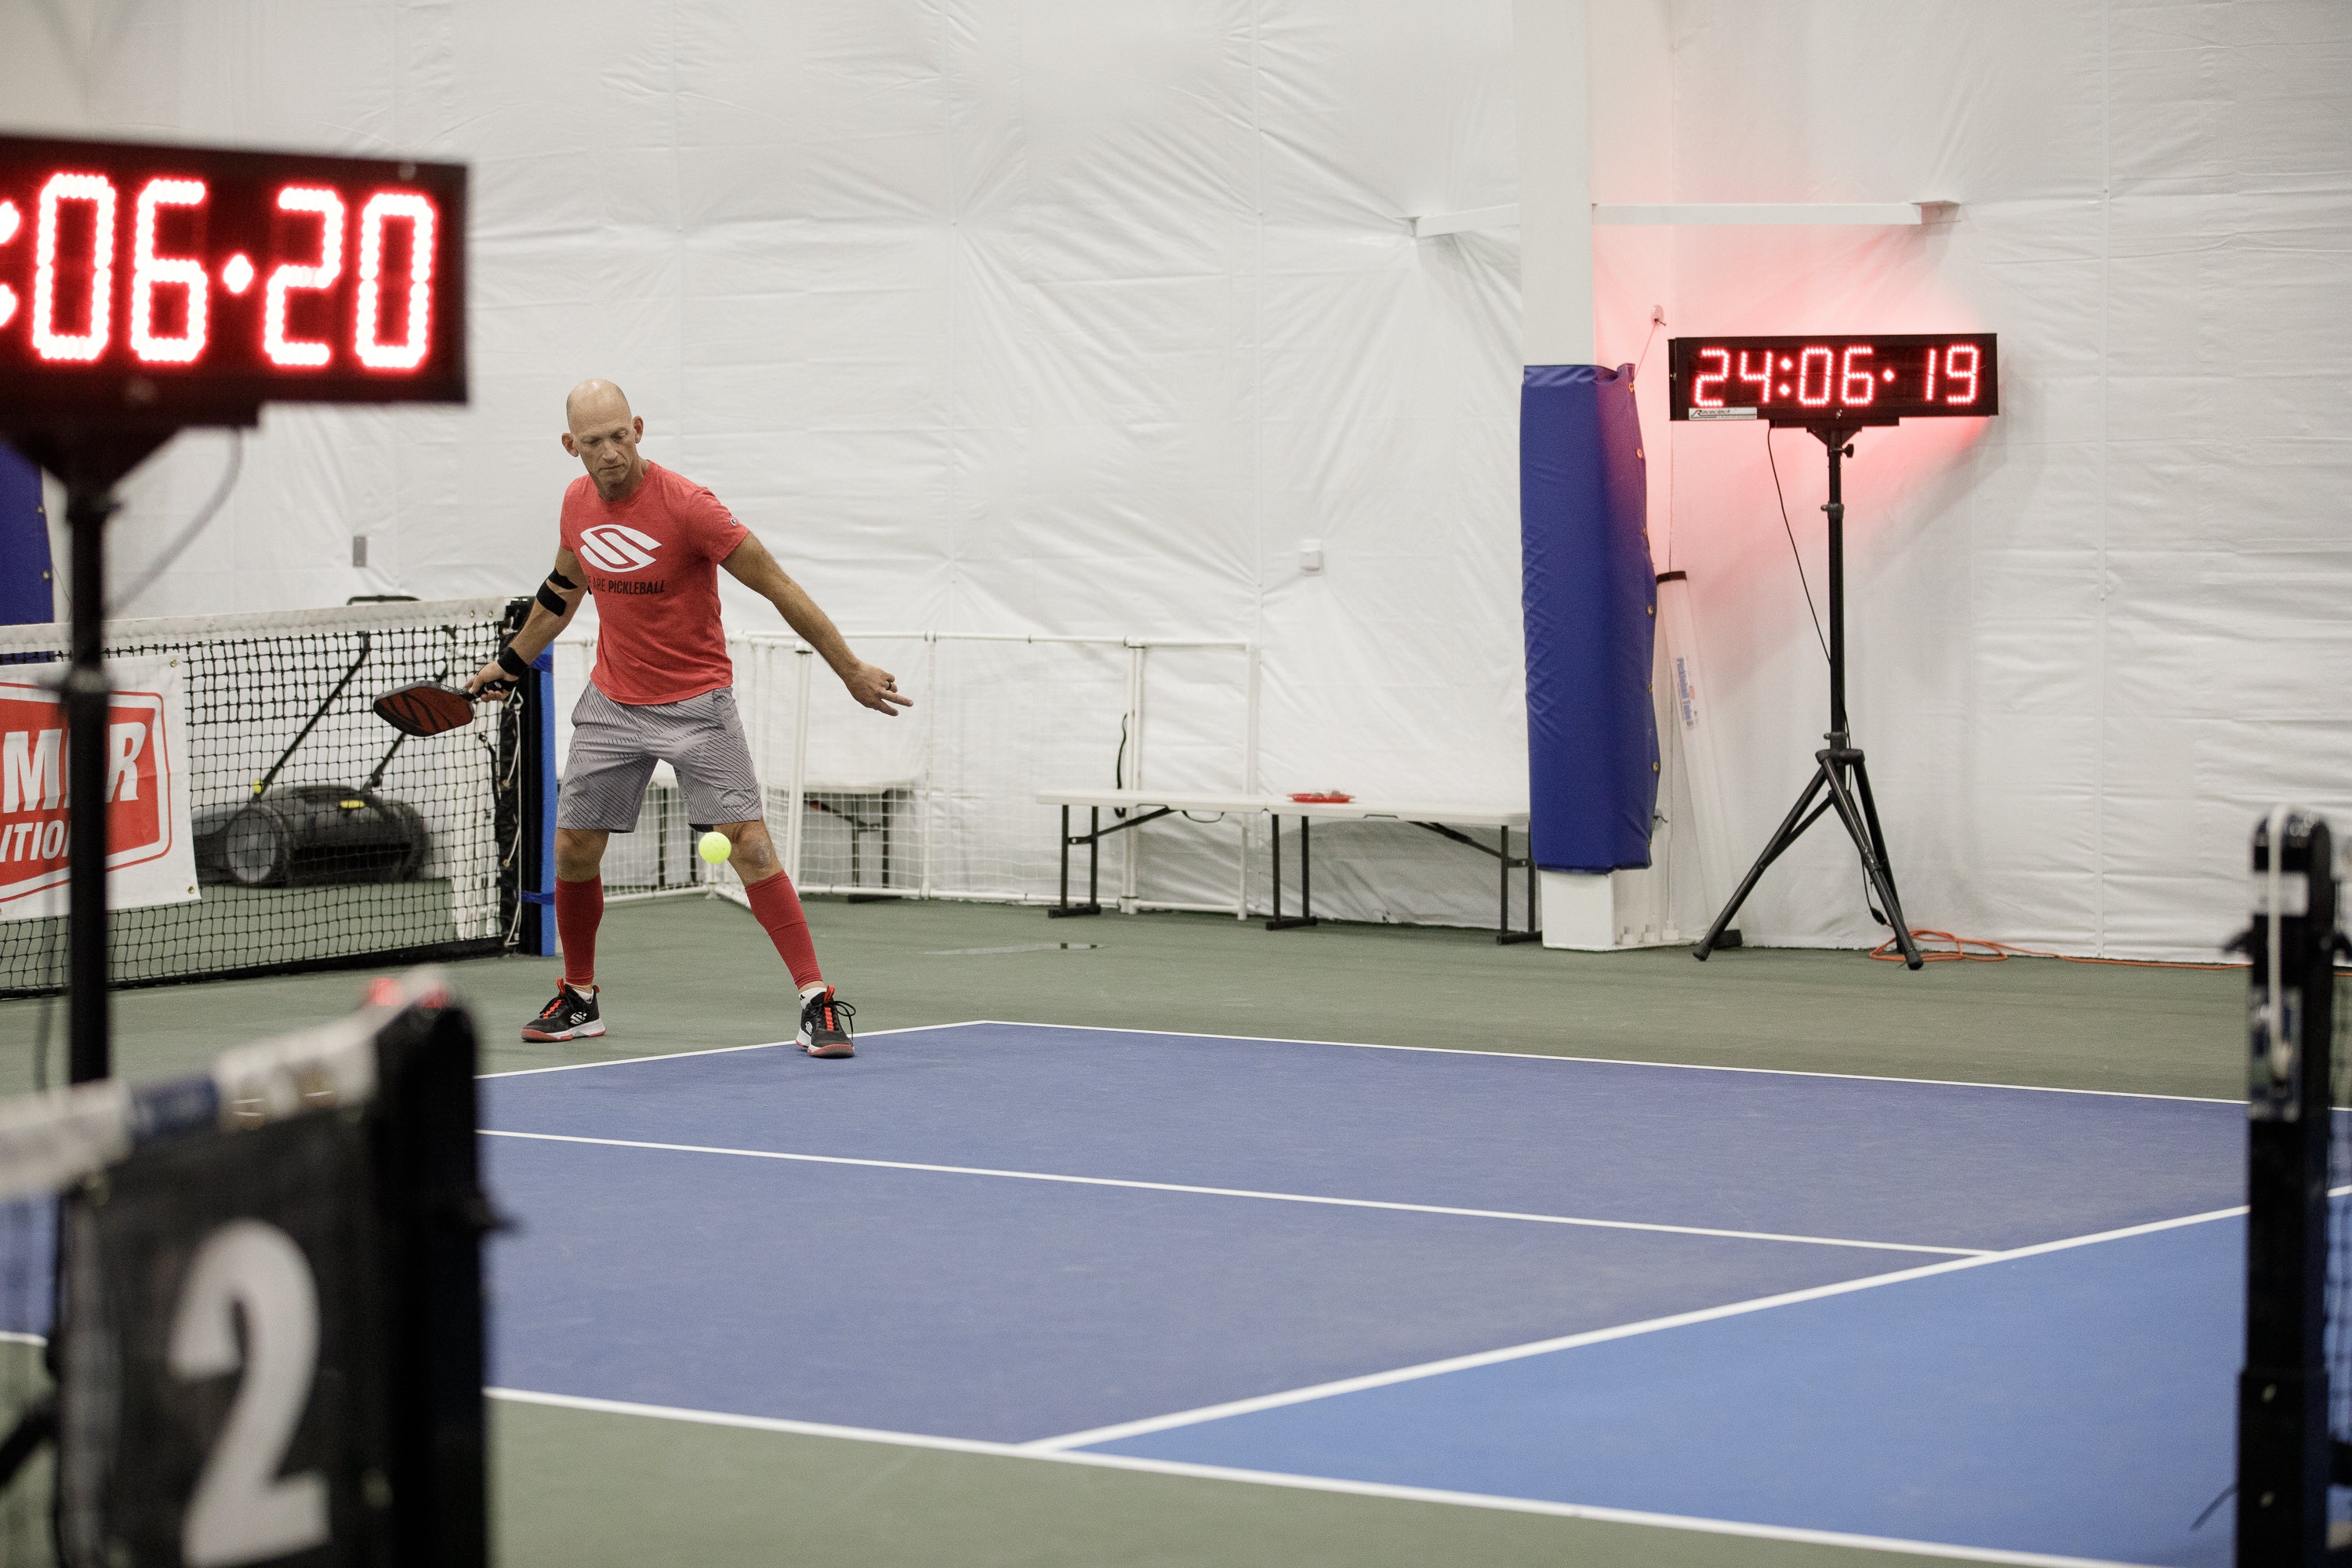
{"points": [[1795, 823], [1874, 868], [1870, 816]]}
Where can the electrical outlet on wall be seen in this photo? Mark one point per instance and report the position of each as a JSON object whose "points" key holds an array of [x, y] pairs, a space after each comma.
{"points": [[1310, 556]]}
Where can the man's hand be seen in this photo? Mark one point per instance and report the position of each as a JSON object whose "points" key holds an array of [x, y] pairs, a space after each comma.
{"points": [[875, 688], [551, 612], [490, 680]]}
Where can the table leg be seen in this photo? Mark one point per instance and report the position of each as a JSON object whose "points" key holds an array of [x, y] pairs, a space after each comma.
{"points": [[1503, 889], [1276, 860], [1094, 848], [1504, 934], [1305, 916]]}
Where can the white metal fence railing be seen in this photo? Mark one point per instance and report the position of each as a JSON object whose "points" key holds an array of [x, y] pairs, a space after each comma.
{"points": [[939, 802]]}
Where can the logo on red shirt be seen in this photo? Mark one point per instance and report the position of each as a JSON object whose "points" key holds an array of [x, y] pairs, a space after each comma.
{"points": [[652, 560], [616, 548]]}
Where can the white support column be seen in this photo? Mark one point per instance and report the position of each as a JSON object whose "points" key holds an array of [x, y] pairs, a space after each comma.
{"points": [[1550, 79], [1550, 82], [1558, 81]]}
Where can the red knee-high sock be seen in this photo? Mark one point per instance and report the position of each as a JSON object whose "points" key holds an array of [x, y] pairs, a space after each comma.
{"points": [[579, 906], [778, 908]]}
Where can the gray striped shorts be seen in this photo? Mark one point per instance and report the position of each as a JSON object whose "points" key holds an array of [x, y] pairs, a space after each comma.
{"points": [[615, 745]]}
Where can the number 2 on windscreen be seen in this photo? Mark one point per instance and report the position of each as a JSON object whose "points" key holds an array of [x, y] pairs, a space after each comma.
{"points": [[243, 1510]]}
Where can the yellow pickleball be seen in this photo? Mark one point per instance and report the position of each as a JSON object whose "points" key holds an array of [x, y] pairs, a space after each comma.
{"points": [[714, 847]]}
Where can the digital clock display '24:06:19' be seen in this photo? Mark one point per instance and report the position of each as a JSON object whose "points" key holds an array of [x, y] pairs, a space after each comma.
{"points": [[181, 283], [1835, 380]]}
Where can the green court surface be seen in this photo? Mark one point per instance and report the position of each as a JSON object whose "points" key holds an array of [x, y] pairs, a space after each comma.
{"points": [[685, 974]]}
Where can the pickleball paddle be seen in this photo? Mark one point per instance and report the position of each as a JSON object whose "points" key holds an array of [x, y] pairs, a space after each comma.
{"points": [[425, 708]]}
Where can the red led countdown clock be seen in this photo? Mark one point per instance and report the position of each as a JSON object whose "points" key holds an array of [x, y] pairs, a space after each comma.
{"points": [[186, 285], [1844, 381]]}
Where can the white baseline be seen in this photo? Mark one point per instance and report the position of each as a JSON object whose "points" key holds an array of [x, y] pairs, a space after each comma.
{"points": [[1382, 1490]]}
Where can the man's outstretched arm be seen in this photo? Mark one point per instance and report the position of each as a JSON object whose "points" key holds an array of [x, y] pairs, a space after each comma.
{"points": [[751, 564], [559, 601]]}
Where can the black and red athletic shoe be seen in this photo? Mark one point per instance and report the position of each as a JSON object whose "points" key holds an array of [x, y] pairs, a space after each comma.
{"points": [[825, 1025], [571, 1016]]}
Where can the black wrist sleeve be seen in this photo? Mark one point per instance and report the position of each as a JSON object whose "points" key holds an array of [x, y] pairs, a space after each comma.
{"points": [[511, 662]]}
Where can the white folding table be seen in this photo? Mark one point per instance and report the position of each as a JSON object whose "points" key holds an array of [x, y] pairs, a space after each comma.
{"points": [[1140, 806]]}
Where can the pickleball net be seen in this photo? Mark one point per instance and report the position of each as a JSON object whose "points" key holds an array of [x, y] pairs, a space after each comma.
{"points": [[2294, 1401], [2337, 1345], [320, 835], [296, 1230]]}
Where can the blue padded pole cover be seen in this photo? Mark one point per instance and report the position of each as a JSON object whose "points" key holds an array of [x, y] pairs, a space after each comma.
{"points": [[26, 589], [1592, 608]]}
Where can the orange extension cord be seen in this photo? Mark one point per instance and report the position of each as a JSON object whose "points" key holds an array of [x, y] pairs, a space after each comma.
{"points": [[1977, 950]]}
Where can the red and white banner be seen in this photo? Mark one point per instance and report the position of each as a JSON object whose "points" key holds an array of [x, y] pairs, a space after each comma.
{"points": [[150, 851]]}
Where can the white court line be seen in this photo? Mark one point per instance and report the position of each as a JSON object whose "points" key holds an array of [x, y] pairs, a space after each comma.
{"points": [[1437, 1050], [631, 1061], [1308, 1483], [709, 1051], [1240, 1193], [11, 1336], [754, 1423], [1596, 1336], [1606, 1061]]}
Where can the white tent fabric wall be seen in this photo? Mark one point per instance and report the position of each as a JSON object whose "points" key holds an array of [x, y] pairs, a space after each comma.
{"points": [[1000, 315], [1066, 317]]}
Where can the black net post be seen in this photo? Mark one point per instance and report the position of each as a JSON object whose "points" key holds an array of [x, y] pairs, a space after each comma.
{"points": [[91, 1052], [436, 1214], [296, 1232], [514, 808], [535, 701], [2286, 1453]]}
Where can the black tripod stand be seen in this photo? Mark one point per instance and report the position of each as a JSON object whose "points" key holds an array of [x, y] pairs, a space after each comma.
{"points": [[1839, 766]]}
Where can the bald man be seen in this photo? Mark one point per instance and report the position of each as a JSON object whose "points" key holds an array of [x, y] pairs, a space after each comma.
{"points": [[649, 544]]}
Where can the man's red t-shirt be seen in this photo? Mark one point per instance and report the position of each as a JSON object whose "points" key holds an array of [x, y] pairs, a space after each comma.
{"points": [[652, 561]]}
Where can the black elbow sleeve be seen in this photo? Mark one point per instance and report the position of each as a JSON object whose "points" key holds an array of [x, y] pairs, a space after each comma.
{"points": [[551, 601]]}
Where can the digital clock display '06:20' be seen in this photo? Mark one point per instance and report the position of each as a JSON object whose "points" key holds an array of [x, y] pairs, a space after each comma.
{"points": [[181, 283], [1835, 380]]}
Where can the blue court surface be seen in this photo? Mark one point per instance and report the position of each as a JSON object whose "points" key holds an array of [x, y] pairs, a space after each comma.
{"points": [[2005, 1321]]}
